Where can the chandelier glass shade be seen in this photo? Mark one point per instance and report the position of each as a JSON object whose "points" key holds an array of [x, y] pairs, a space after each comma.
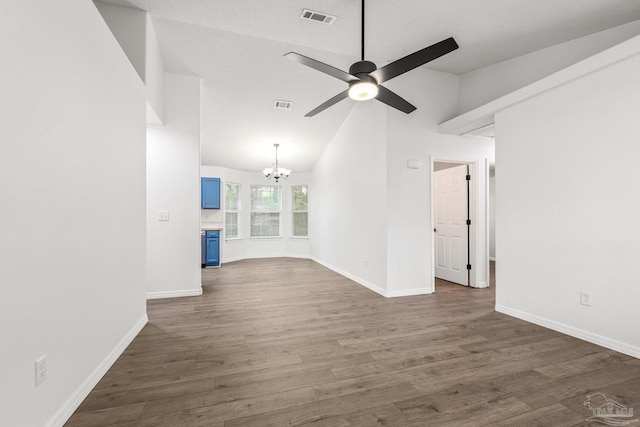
{"points": [[277, 172]]}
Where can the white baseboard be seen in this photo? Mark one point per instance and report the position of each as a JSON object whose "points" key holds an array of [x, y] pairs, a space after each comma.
{"points": [[350, 276], [374, 288], [606, 342], [408, 292], [227, 260], [74, 401], [481, 285], [175, 294]]}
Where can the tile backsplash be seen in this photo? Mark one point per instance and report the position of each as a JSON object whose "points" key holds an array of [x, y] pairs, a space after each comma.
{"points": [[211, 218]]}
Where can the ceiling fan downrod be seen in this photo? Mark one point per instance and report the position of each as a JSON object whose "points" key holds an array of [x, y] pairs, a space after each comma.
{"points": [[362, 35]]}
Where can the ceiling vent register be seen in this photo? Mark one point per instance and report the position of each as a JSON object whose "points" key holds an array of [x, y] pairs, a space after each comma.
{"points": [[283, 105], [310, 15]]}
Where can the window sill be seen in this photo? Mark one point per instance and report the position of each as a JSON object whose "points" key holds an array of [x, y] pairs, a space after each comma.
{"points": [[266, 237], [299, 237], [233, 239]]}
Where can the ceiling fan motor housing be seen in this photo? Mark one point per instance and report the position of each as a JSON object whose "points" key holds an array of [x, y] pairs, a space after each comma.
{"points": [[361, 70]]}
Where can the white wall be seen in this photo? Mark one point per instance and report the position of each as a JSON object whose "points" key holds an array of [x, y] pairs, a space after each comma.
{"points": [[72, 190], [133, 29], [485, 84], [173, 185], [245, 247], [349, 213], [129, 28], [415, 136], [567, 215], [154, 74]]}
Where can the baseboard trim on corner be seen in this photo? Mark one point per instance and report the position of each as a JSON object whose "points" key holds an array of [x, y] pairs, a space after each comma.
{"points": [[74, 401], [350, 276], [175, 294], [408, 292], [609, 343]]}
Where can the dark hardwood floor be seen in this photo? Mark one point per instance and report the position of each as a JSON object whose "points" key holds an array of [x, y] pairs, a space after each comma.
{"points": [[286, 342]]}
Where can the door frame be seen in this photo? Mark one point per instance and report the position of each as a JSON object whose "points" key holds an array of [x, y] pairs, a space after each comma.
{"points": [[488, 164], [479, 277]]}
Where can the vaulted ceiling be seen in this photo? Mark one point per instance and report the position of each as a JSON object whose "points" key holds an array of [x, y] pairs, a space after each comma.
{"points": [[237, 48]]}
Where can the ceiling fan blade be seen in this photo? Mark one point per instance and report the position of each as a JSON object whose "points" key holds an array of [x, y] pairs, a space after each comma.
{"points": [[414, 60], [321, 66], [393, 100], [339, 97]]}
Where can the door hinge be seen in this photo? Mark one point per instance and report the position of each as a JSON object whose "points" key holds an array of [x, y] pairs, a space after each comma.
{"points": [[468, 177], [468, 266], [468, 222]]}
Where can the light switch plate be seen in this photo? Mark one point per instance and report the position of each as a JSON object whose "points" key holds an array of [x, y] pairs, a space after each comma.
{"points": [[585, 298], [41, 369]]}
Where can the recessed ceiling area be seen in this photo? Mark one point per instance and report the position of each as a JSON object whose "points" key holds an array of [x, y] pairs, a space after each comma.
{"points": [[237, 48]]}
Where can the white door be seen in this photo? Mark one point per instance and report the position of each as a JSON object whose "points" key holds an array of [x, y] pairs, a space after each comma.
{"points": [[451, 238]]}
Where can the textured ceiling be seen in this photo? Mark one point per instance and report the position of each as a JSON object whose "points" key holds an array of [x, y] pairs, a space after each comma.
{"points": [[236, 47]]}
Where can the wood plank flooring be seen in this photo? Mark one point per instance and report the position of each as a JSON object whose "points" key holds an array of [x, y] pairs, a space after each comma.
{"points": [[286, 342]]}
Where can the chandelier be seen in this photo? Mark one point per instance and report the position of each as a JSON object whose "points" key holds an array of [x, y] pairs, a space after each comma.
{"points": [[278, 172]]}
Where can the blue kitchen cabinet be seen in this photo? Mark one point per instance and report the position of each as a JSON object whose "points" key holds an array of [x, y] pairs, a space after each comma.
{"points": [[212, 257], [210, 193]]}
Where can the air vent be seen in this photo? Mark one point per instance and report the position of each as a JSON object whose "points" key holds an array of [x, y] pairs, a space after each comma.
{"points": [[317, 17], [283, 105]]}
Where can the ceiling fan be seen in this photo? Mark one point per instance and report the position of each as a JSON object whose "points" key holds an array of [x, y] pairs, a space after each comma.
{"points": [[365, 79]]}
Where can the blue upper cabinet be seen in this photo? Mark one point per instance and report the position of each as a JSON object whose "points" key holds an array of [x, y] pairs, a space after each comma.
{"points": [[210, 193]]}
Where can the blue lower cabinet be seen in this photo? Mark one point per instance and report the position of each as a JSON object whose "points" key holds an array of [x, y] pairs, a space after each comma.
{"points": [[212, 257]]}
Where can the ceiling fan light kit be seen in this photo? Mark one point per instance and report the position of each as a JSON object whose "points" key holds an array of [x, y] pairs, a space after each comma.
{"points": [[363, 91], [365, 79]]}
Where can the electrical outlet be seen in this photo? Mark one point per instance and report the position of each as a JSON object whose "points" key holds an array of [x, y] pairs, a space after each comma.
{"points": [[41, 369], [163, 215], [585, 298]]}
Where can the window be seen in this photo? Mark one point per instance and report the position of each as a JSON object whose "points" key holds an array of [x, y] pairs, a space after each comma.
{"points": [[231, 210], [300, 208], [265, 211]]}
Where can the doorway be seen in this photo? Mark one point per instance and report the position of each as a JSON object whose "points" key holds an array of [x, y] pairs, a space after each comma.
{"points": [[452, 222]]}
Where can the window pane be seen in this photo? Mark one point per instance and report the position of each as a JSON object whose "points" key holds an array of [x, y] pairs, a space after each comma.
{"points": [[300, 225], [300, 194], [231, 197], [265, 199], [231, 224], [265, 224], [265, 211], [232, 208], [300, 208]]}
